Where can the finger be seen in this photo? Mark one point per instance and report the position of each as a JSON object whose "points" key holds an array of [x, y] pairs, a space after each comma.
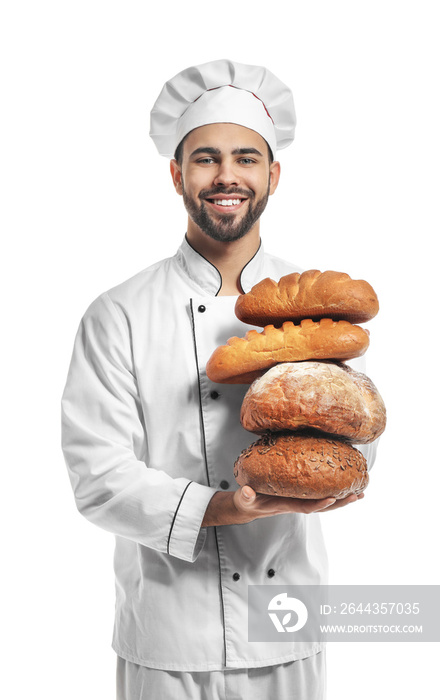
{"points": [[305, 505], [343, 502], [312, 505], [324, 504]]}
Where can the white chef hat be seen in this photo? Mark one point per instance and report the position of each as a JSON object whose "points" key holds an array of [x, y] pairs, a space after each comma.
{"points": [[223, 91]]}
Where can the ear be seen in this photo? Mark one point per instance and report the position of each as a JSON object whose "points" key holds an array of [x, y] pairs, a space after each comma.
{"points": [[176, 174], [274, 175]]}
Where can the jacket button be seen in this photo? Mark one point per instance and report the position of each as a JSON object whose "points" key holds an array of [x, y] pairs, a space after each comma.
{"points": [[214, 395], [236, 576], [201, 308], [271, 573], [224, 484]]}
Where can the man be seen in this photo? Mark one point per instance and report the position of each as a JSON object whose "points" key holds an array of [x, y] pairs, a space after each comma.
{"points": [[150, 441]]}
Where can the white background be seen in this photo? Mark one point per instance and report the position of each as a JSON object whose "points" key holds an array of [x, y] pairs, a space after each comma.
{"points": [[87, 203]]}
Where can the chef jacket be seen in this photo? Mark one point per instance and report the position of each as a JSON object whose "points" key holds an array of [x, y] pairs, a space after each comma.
{"points": [[148, 439]]}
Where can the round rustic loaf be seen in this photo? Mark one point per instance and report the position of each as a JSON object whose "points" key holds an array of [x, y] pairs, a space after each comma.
{"points": [[325, 396], [312, 294], [242, 360], [302, 466]]}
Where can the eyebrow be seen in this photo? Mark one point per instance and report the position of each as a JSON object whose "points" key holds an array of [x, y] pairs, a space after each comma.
{"points": [[244, 151], [216, 151]]}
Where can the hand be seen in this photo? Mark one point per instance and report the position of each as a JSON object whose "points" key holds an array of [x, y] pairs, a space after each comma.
{"points": [[244, 505], [261, 505]]}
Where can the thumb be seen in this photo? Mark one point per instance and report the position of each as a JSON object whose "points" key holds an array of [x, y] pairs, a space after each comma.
{"points": [[247, 494]]}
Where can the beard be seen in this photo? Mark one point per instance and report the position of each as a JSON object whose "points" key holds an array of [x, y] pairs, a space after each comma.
{"points": [[225, 227]]}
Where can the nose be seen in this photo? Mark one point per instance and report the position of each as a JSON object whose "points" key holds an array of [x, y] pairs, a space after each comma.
{"points": [[226, 174]]}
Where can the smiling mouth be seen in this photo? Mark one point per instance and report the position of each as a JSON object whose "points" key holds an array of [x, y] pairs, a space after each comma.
{"points": [[226, 203]]}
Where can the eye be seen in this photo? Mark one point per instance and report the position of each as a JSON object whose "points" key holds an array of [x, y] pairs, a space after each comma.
{"points": [[206, 160], [246, 161]]}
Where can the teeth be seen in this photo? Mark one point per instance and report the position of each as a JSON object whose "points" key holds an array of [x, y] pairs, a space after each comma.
{"points": [[227, 202]]}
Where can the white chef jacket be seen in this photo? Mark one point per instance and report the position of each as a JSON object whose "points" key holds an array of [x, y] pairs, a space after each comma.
{"points": [[148, 439]]}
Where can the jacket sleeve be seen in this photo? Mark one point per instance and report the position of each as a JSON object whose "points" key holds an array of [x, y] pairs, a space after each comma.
{"points": [[105, 446], [370, 449]]}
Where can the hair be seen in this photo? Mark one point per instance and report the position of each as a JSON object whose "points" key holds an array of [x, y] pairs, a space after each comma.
{"points": [[178, 153]]}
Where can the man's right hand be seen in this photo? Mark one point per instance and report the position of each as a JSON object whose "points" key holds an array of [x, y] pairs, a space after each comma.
{"points": [[244, 505]]}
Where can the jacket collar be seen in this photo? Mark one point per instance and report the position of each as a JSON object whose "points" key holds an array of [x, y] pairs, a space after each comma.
{"points": [[206, 275]]}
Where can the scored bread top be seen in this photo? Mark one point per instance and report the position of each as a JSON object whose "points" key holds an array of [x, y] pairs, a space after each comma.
{"points": [[242, 360], [311, 294], [326, 396]]}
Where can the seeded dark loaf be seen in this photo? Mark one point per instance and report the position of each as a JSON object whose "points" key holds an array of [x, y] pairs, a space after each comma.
{"points": [[326, 396], [312, 294], [242, 360], [302, 466]]}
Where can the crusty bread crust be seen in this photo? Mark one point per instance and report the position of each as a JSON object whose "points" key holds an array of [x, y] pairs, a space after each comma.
{"points": [[242, 360], [312, 294], [300, 466], [325, 396]]}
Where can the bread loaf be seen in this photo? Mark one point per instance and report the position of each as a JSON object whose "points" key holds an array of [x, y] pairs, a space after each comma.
{"points": [[302, 467], [325, 396], [242, 360], [312, 294]]}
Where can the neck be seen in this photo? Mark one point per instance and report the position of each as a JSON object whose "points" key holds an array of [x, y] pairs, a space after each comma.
{"points": [[229, 258]]}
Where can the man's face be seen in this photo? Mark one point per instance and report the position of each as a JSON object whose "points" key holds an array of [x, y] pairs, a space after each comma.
{"points": [[225, 179]]}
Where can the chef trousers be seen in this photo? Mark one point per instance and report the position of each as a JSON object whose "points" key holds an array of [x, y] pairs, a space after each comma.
{"points": [[303, 679]]}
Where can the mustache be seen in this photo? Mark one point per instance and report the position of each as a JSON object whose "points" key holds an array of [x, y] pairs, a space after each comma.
{"points": [[206, 194]]}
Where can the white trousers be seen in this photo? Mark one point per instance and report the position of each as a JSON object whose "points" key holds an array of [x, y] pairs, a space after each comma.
{"points": [[297, 680]]}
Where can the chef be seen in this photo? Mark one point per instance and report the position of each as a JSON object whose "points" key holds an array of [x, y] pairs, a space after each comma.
{"points": [[150, 442]]}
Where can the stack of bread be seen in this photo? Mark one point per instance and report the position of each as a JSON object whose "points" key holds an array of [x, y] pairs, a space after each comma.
{"points": [[308, 405]]}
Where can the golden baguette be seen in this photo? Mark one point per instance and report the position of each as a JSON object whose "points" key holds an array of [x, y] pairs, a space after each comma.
{"points": [[312, 294]]}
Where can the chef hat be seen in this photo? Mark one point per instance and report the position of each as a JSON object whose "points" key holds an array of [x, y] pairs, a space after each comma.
{"points": [[223, 91]]}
